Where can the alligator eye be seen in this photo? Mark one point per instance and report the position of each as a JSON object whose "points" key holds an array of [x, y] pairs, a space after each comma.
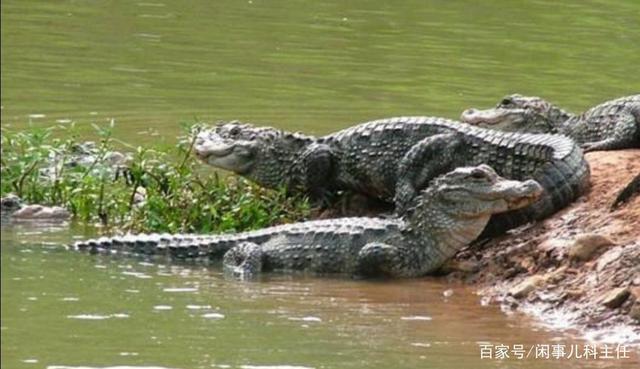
{"points": [[234, 131], [478, 175], [506, 101]]}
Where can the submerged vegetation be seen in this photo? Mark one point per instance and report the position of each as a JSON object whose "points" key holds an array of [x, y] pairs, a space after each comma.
{"points": [[152, 190]]}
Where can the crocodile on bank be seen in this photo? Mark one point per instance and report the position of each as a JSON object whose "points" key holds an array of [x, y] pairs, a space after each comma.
{"points": [[445, 217], [611, 125], [392, 159]]}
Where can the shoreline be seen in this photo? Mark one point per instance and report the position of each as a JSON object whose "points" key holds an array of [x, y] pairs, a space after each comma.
{"points": [[578, 269]]}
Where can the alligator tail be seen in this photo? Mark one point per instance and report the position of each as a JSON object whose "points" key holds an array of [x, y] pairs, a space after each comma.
{"points": [[158, 245]]}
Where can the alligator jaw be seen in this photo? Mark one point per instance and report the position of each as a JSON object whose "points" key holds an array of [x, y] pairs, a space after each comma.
{"points": [[210, 145], [493, 117], [522, 194], [501, 196], [224, 154]]}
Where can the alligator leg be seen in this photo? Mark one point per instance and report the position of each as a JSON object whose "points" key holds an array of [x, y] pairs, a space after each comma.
{"points": [[316, 171], [625, 135], [427, 159], [377, 259], [243, 261]]}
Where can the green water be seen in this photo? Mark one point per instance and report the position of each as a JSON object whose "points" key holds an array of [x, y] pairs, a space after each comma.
{"points": [[309, 66], [312, 66]]}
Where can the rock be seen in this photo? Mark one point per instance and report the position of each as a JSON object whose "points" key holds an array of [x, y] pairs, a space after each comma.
{"points": [[608, 257], [557, 275], [41, 212], [615, 297], [448, 293], [525, 287], [585, 245]]}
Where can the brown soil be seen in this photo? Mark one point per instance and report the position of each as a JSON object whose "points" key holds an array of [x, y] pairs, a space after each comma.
{"points": [[578, 269]]}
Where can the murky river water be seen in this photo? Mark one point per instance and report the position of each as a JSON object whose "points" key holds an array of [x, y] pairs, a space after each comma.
{"points": [[67, 309], [310, 66]]}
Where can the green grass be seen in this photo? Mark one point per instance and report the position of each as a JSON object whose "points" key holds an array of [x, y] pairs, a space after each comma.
{"points": [[181, 194]]}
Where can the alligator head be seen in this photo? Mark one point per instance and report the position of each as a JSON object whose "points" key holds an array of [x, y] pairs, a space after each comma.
{"points": [[457, 206], [472, 193], [518, 113], [262, 154], [10, 203], [478, 191]]}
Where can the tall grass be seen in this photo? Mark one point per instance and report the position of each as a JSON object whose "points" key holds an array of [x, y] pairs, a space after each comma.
{"points": [[181, 195]]}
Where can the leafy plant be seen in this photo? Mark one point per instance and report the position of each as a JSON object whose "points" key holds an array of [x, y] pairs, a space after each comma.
{"points": [[179, 196]]}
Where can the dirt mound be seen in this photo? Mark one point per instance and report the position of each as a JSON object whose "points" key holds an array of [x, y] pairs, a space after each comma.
{"points": [[578, 269]]}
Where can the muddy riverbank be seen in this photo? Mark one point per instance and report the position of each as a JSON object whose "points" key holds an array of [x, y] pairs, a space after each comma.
{"points": [[579, 269]]}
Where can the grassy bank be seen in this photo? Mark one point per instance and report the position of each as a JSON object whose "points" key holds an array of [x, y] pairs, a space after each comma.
{"points": [[41, 166]]}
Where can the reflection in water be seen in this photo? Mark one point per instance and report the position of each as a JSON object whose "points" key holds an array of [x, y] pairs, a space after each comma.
{"points": [[97, 317]]}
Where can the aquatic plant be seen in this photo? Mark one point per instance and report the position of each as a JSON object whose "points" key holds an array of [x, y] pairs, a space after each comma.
{"points": [[155, 190]]}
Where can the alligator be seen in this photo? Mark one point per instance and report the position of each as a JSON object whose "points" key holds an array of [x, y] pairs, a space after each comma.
{"points": [[10, 203], [612, 125], [392, 159], [444, 218], [13, 208]]}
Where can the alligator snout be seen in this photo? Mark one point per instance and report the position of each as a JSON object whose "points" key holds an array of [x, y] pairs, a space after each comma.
{"points": [[524, 194], [209, 145], [475, 116], [468, 115]]}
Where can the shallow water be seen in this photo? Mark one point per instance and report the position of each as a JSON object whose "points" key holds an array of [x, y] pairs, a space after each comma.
{"points": [[310, 66], [62, 308]]}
